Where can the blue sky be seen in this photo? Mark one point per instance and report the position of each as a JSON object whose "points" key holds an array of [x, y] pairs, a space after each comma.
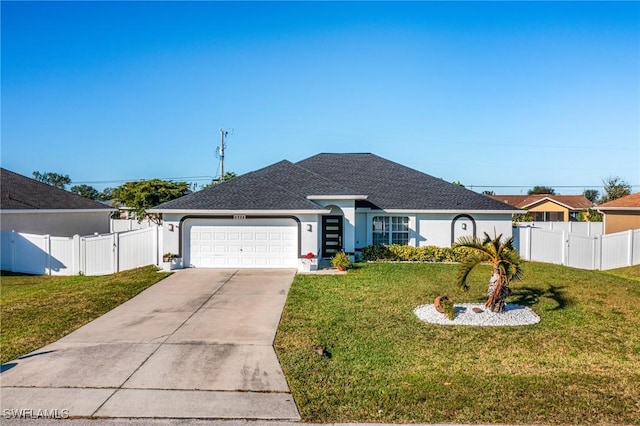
{"points": [[494, 94]]}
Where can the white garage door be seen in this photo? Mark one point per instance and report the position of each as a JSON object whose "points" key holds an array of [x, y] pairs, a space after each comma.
{"points": [[247, 243]]}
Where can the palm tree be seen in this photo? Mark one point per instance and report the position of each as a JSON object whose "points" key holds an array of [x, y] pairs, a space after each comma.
{"points": [[504, 261]]}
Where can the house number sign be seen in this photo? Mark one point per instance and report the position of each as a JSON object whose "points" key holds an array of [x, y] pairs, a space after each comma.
{"points": [[239, 216]]}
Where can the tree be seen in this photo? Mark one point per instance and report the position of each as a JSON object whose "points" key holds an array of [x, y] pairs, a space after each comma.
{"points": [[541, 190], [591, 195], [615, 188], [86, 191], [145, 194], [106, 194], [54, 179], [504, 261], [227, 177], [590, 215], [487, 192], [457, 182]]}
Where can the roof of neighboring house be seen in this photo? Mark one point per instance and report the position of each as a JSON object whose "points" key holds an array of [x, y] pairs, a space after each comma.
{"points": [[19, 192], [572, 202], [628, 202], [382, 183]]}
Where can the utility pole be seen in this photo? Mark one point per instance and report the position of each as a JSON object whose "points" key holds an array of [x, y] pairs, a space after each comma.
{"points": [[223, 134]]}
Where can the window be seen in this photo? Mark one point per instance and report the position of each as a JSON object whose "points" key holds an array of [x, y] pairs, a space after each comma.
{"points": [[548, 216], [391, 230]]}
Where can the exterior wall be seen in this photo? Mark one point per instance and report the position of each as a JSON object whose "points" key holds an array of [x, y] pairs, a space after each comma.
{"points": [[309, 239], [57, 224], [549, 206], [617, 221], [435, 229], [348, 224]]}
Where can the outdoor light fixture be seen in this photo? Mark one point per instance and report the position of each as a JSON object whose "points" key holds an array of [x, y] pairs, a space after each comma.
{"points": [[309, 227], [464, 226], [170, 227]]}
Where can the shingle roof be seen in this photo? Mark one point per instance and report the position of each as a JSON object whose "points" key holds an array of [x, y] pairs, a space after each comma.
{"points": [[573, 202], [391, 185], [258, 190], [22, 193], [285, 186], [629, 201]]}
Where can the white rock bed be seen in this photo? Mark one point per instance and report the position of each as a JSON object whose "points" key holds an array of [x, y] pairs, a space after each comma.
{"points": [[513, 315]]}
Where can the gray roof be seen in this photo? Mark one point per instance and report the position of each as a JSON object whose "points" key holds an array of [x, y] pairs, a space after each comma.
{"points": [[391, 185], [22, 193], [285, 186]]}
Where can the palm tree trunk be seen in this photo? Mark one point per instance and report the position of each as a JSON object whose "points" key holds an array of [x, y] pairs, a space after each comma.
{"points": [[497, 292]]}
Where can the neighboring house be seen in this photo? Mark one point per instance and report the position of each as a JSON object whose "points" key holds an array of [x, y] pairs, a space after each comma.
{"points": [[327, 203], [548, 207], [33, 207], [621, 214]]}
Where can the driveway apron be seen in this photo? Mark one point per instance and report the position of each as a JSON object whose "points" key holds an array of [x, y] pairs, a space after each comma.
{"points": [[198, 344]]}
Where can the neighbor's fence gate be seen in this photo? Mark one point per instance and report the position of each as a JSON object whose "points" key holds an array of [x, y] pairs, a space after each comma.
{"points": [[89, 255], [579, 251]]}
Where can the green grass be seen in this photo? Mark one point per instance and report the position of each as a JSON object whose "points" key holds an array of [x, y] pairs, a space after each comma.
{"points": [[38, 310], [630, 272], [579, 365]]}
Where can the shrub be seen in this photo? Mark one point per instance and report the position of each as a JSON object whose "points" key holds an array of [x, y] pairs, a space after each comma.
{"points": [[396, 252]]}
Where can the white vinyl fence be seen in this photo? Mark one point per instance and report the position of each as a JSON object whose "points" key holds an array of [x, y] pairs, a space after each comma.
{"points": [[579, 251], [580, 228], [89, 255]]}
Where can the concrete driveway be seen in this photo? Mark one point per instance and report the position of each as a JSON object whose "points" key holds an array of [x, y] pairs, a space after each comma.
{"points": [[196, 345]]}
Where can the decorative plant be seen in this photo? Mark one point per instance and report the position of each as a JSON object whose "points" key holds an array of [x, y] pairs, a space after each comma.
{"points": [[309, 256], [444, 305], [341, 261], [168, 257], [504, 261]]}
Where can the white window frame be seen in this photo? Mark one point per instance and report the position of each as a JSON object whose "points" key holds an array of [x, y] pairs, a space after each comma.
{"points": [[388, 226]]}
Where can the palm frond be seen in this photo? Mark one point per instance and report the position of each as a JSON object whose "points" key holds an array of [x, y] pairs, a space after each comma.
{"points": [[465, 269]]}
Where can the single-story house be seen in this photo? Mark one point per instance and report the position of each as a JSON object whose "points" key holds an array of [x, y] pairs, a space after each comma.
{"points": [[621, 214], [33, 207], [275, 216], [549, 207]]}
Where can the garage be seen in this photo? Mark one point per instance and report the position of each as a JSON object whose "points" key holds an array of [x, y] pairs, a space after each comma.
{"points": [[241, 243]]}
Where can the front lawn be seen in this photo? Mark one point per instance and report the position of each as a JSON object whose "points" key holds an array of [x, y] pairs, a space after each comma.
{"points": [[38, 310], [580, 364]]}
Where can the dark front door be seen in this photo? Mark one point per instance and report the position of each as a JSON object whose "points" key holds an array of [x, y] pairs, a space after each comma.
{"points": [[331, 235]]}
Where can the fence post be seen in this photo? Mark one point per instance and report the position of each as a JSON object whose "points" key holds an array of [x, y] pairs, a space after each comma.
{"points": [[116, 252], [565, 248], [529, 244], [75, 254], [630, 248], [598, 252], [47, 244], [13, 251], [156, 244]]}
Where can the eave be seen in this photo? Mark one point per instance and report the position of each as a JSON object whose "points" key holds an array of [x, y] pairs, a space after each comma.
{"points": [[238, 212], [32, 211], [515, 211], [337, 197]]}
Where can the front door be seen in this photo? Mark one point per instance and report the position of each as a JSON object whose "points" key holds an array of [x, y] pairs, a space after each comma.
{"points": [[331, 235]]}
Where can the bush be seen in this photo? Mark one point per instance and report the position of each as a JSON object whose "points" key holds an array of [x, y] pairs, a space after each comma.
{"points": [[396, 252]]}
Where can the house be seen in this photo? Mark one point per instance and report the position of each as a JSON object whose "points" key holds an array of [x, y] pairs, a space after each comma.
{"points": [[549, 207], [33, 207], [275, 216], [621, 214]]}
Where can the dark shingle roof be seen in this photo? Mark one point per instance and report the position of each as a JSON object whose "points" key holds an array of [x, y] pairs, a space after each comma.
{"points": [[259, 190], [285, 186], [22, 193], [391, 185]]}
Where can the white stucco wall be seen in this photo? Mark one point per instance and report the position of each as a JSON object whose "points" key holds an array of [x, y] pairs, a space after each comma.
{"points": [[309, 239], [348, 210], [434, 229], [66, 224]]}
